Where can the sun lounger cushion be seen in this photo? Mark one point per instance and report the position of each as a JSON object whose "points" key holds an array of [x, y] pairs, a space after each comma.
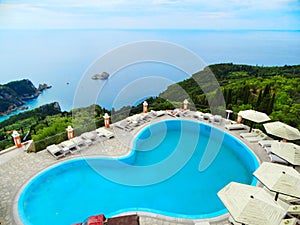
{"points": [[256, 138], [198, 115], [217, 119], [55, 151], [79, 142], [157, 113], [90, 136], [254, 133], [237, 126], [124, 125], [104, 132], [266, 143]]}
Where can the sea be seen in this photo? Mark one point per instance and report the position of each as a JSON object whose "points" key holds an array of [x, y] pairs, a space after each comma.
{"points": [[141, 63]]}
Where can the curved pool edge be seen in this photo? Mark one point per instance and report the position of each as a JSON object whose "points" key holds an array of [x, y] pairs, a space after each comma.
{"points": [[15, 206], [222, 214]]}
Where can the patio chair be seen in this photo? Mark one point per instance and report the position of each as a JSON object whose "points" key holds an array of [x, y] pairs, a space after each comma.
{"points": [[56, 151], [236, 126], [104, 132]]}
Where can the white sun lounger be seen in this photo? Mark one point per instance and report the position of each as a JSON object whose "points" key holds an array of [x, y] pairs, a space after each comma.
{"points": [[232, 221], [79, 142], [56, 151], [284, 198], [258, 138], [173, 113], [217, 119], [266, 143], [69, 145], [267, 149], [198, 115], [136, 120], [254, 133], [236, 126], [104, 132], [185, 113], [154, 114], [89, 137], [124, 125], [207, 116]]}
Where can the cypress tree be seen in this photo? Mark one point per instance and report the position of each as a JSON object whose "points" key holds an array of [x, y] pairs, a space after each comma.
{"points": [[259, 99]]}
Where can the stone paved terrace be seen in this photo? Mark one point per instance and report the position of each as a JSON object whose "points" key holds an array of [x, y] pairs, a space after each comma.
{"points": [[17, 167]]}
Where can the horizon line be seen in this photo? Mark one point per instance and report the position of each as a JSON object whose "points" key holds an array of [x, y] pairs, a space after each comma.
{"points": [[148, 29]]}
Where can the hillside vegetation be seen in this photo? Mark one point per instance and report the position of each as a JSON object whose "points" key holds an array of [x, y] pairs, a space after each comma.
{"points": [[273, 90]]}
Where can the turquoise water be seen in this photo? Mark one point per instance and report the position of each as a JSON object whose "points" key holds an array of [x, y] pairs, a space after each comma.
{"points": [[58, 57], [161, 175]]}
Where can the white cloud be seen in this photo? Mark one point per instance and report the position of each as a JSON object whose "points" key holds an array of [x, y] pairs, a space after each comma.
{"points": [[198, 14]]}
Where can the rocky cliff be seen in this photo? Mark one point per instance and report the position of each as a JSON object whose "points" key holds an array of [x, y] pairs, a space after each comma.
{"points": [[13, 95]]}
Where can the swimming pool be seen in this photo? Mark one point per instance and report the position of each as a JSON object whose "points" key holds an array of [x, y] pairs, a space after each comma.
{"points": [[161, 175]]}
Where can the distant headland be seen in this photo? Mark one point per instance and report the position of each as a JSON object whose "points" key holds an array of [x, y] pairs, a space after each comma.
{"points": [[14, 95]]}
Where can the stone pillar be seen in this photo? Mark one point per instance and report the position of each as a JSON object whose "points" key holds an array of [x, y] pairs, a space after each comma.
{"points": [[185, 104], [70, 132], [145, 107], [17, 139], [106, 120]]}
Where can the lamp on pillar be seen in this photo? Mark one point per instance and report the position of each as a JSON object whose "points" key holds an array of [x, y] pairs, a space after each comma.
{"points": [[106, 120], [70, 132], [185, 104], [17, 139], [228, 112], [145, 107]]}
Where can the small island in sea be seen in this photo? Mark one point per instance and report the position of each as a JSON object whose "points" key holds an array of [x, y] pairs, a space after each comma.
{"points": [[14, 95], [102, 76]]}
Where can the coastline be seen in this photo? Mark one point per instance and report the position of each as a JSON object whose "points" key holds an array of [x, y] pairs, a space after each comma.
{"points": [[14, 110]]}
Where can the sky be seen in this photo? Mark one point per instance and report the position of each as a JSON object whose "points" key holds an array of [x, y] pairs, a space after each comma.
{"points": [[150, 14]]}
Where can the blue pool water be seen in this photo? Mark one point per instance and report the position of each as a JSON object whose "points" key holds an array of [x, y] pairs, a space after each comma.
{"points": [[163, 174]]}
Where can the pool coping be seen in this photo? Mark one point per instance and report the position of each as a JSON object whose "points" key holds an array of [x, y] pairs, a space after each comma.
{"points": [[136, 131]]}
